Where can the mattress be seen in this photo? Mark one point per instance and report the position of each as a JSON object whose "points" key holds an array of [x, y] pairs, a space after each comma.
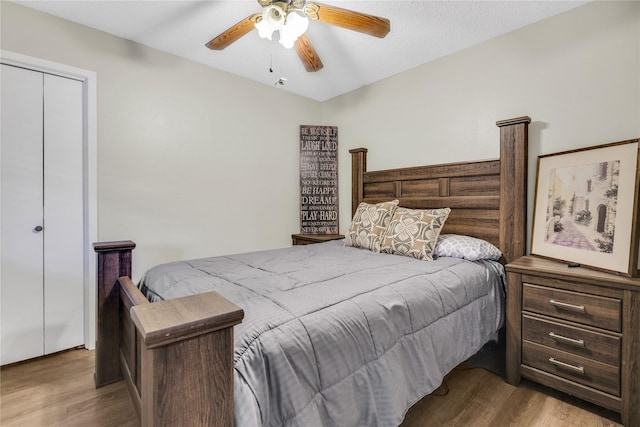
{"points": [[339, 336]]}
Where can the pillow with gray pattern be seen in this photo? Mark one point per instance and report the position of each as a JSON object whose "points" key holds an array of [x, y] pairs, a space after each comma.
{"points": [[466, 247]]}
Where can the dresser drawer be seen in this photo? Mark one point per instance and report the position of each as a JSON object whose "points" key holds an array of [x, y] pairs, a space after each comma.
{"points": [[601, 312], [593, 345], [591, 373]]}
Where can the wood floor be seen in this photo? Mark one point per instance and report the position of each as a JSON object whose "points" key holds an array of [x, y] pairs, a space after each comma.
{"points": [[476, 397], [58, 390]]}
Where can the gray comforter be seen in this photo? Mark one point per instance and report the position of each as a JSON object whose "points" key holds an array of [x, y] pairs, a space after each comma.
{"points": [[337, 336]]}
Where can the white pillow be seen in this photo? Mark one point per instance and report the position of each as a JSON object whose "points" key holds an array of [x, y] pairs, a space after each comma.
{"points": [[466, 247]]}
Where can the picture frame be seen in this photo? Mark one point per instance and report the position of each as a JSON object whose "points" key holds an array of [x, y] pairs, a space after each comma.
{"points": [[587, 205]]}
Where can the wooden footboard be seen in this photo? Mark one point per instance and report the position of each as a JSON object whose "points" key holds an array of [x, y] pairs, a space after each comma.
{"points": [[176, 356]]}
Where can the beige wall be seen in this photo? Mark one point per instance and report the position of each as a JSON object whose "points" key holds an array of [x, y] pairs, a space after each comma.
{"points": [[191, 161], [577, 75], [187, 153]]}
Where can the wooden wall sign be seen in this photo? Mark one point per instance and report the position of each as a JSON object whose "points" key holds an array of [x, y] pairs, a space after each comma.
{"points": [[318, 179]]}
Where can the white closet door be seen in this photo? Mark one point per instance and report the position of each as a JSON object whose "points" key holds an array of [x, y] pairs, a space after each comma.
{"points": [[42, 282], [21, 296], [63, 214]]}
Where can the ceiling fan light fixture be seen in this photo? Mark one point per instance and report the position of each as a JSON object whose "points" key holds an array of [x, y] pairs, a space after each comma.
{"points": [[272, 19], [287, 17], [294, 26]]}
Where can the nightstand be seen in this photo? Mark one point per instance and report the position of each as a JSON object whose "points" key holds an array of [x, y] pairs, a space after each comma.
{"points": [[576, 330], [309, 239]]}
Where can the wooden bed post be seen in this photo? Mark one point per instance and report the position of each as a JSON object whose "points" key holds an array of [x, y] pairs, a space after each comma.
{"points": [[513, 220], [514, 148], [358, 168], [114, 261]]}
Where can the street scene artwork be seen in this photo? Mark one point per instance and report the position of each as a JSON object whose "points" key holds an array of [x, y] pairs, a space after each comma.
{"points": [[582, 204], [586, 207]]}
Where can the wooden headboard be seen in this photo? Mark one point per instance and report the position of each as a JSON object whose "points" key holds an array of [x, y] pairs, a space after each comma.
{"points": [[488, 199]]}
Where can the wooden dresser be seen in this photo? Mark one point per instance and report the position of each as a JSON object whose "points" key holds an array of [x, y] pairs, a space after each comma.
{"points": [[576, 330], [308, 239]]}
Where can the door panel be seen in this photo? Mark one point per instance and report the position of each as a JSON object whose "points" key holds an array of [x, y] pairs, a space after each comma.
{"points": [[42, 282], [21, 296], [63, 214]]}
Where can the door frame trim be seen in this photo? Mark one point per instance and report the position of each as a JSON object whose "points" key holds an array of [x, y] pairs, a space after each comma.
{"points": [[90, 171]]}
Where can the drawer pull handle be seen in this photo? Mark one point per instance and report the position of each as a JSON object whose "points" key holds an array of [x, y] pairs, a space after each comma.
{"points": [[579, 343], [577, 369], [566, 306]]}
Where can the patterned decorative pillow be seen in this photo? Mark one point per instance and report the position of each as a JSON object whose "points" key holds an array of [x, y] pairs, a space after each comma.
{"points": [[466, 247], [369, 224], [414, 232]]}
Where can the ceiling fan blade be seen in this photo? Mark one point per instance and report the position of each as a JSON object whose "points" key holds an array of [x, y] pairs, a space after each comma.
{"points": [[356, 21], [233, 33], [308, 54]]}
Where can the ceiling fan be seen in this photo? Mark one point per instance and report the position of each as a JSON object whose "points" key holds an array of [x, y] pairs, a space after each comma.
{"points": [[291, 19]]}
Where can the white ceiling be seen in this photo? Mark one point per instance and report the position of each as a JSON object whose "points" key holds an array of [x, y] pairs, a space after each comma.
{"points": [[421, 31]]}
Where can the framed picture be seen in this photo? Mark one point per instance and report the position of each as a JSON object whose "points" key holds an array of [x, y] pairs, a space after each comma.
{"points": [[586, 207]]}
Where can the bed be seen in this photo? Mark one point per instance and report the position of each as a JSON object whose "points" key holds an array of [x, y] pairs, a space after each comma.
{"points": [[374, 351]]}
